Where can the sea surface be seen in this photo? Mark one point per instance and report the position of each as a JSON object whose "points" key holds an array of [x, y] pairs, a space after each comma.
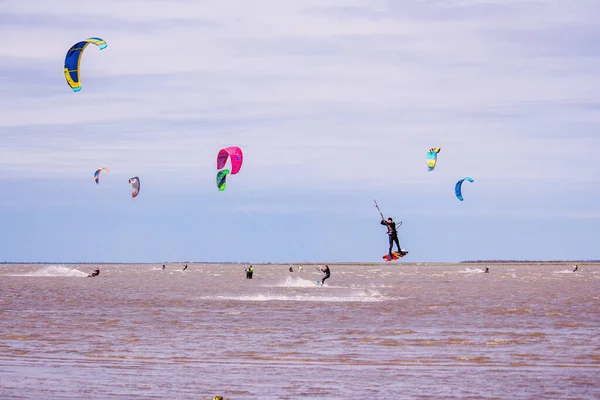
{"points": [[380, 331]]}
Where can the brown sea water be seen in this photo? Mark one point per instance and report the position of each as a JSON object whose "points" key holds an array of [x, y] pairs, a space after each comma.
{"points": [[382, 331]]}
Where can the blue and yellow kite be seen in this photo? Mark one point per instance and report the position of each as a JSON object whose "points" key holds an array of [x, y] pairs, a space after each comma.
{"points": [[432, 157], [97, 174], [73, 59]]}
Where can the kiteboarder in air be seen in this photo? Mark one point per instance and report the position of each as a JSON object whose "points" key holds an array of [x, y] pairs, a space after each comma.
{"points": [[327, 274], [392, 233], [95, 273]]}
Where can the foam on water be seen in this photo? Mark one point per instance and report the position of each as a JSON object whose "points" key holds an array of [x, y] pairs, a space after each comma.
{"points": [[377, 285], [565, 271], [55, 270], [291, 281], [471, 271], [368, 296]]}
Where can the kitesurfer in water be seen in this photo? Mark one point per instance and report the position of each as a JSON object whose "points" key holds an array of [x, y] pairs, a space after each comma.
{"points": [[576, 268], [392, 233], [327, 274], [95, 273], [487, 270], [164, 267], [291, 269], [185, 267], [249, 272]]}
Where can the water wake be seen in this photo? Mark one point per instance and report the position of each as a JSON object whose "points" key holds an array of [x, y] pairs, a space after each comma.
{"points": [[55, 270], [357, 297], [291, 281]]}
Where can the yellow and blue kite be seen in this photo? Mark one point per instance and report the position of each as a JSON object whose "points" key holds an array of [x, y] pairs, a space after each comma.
{"points": [[97, 174], [432, 157], [73, 59]]}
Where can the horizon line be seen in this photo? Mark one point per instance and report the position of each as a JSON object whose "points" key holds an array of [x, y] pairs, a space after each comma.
{"points": [[305, 263]]}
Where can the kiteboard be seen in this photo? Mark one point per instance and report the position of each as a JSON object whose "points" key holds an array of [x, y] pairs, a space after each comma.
{"points": [[395, 255], [318, 282]]}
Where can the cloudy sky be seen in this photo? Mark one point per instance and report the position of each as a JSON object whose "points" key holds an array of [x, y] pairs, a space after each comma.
{"points": [[334, 103]]}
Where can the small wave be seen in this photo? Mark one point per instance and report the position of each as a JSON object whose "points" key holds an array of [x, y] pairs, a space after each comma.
{"points": [[299, 282], [565, 271], [55, 270], [358, 297], [376, 286], [471, 271]]}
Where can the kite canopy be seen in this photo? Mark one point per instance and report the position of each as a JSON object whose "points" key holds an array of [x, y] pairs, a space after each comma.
{"points": [[135, 186], [97, 174], [236, 155], [432, 157], [458, 187], [73, 60], [222, 179]]}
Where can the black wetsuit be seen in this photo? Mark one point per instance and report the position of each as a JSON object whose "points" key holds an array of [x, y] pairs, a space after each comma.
{"points": [[393, 235], [95, 273], [327, 275]]}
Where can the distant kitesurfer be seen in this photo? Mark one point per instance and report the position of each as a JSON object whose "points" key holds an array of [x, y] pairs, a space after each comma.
{"points": [[487, 270], [392, 233], [576, 268], [185, 267], [95, 273], [164, 267], [291, 269], [327, 274], [249, 272]]}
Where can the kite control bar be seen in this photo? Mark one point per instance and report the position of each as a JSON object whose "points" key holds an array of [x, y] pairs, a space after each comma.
{"points": [[380, 213], [377, 206]]}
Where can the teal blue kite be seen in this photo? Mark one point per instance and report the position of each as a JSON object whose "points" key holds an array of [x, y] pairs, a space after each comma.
{"points": [[222, 179], [458, 187], [73, 59]]}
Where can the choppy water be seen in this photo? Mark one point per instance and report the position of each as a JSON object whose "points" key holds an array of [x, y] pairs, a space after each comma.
{"points": [[387, 331]]}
